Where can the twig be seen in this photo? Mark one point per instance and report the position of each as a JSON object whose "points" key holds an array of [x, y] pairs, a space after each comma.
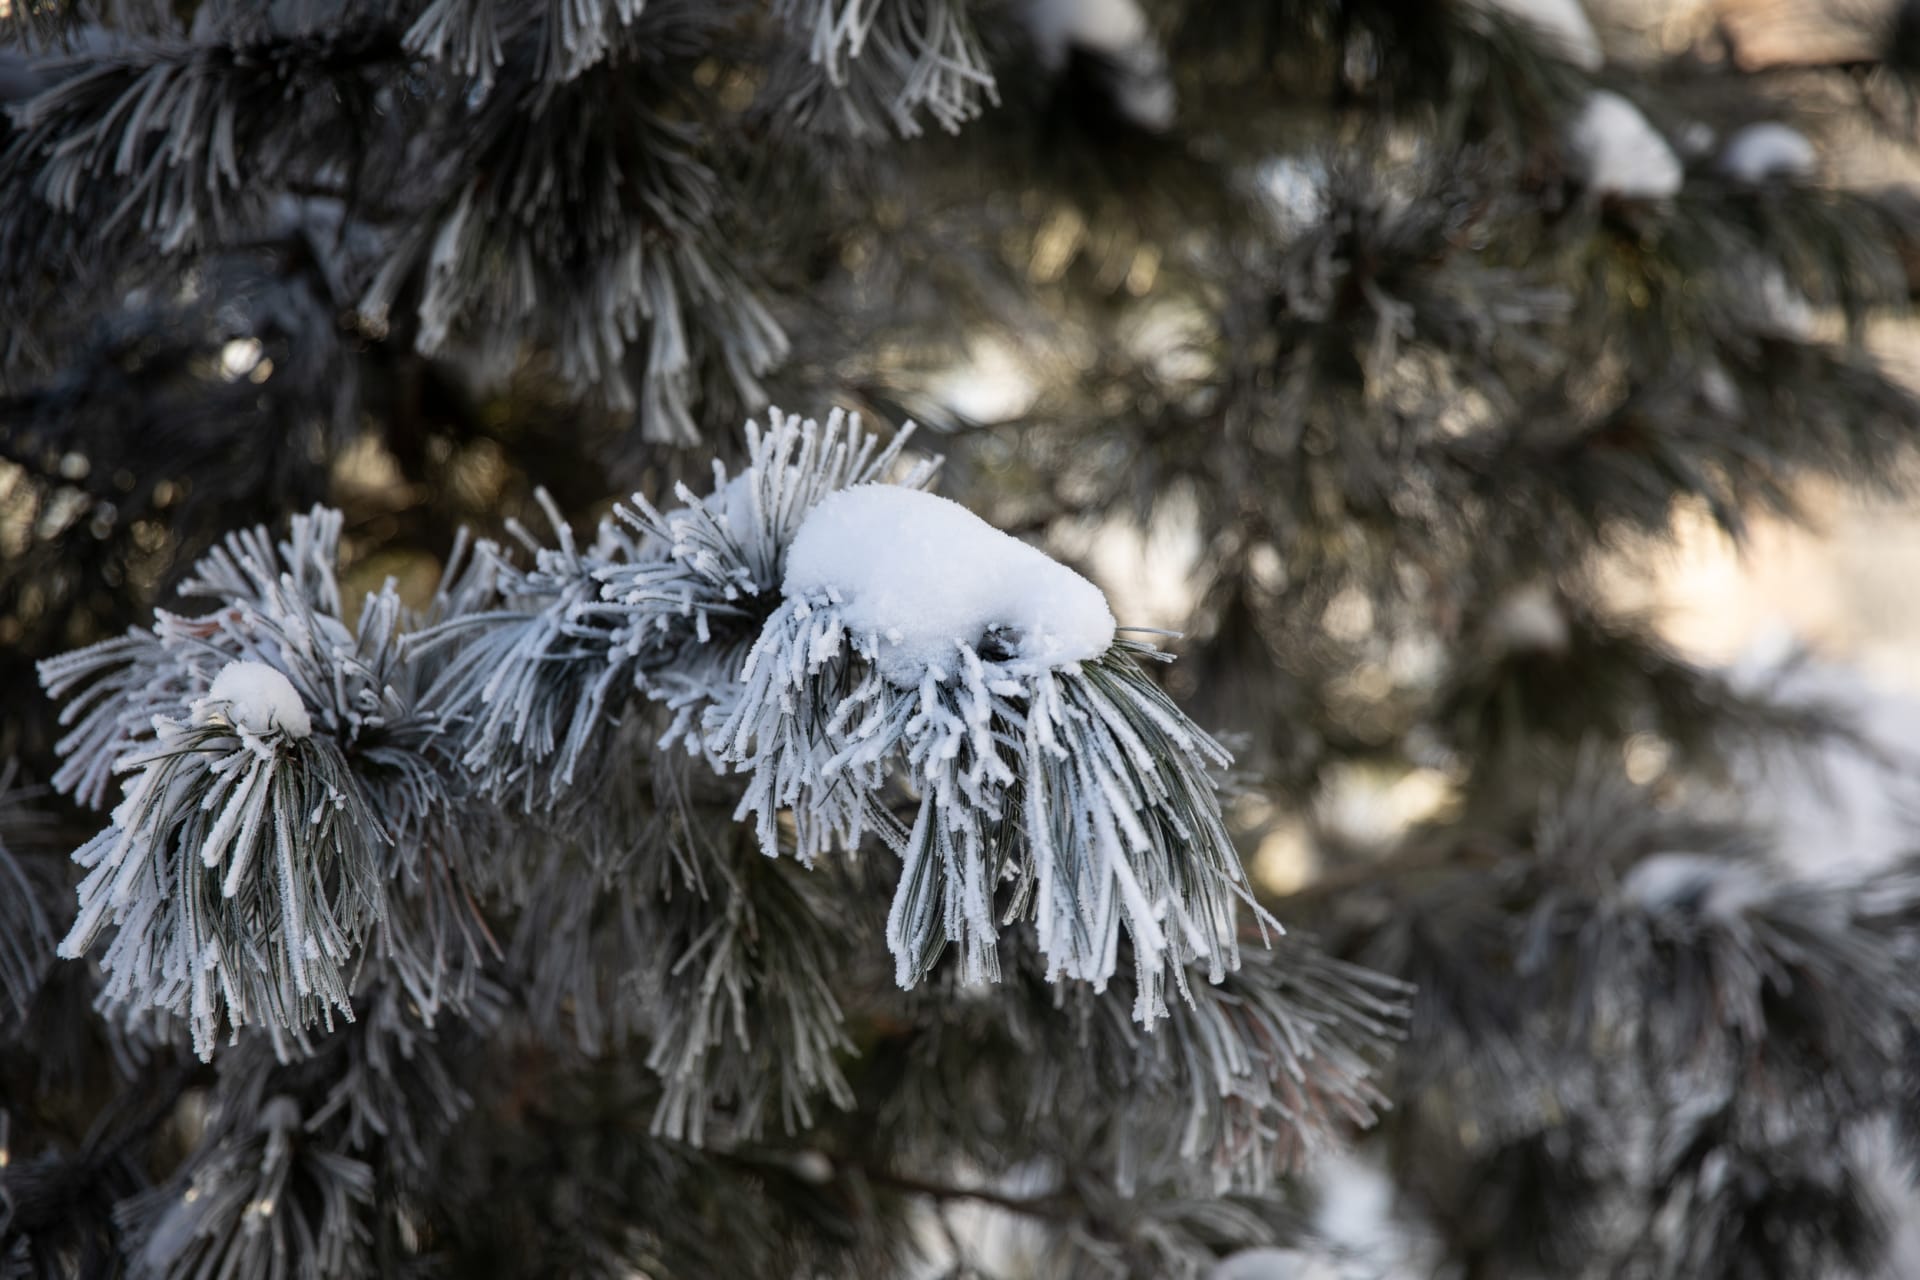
{"points": [[1054, 1206]]}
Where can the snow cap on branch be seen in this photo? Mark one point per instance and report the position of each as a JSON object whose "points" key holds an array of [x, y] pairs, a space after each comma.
{"points": [[1618, 153], [1769, 152], [255, 699], [928, 579]]}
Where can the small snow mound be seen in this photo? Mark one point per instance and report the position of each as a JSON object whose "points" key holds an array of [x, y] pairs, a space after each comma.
{"points": [[1716, 887], [1767, 152], [255, 698], [923, 575], [1620, 153], [1560, 25]]}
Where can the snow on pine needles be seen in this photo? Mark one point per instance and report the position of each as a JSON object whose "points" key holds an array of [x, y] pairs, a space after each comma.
{"points": [[915, 640], [870, 657], [822, 626], [279, 776]]}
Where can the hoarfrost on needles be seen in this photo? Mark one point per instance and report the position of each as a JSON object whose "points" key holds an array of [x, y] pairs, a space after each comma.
{"points": [[923, 576], [256, 699], [1620, 153]]}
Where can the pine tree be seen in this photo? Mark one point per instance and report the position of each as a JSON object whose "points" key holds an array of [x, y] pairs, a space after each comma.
{"points": [[491, 794]]}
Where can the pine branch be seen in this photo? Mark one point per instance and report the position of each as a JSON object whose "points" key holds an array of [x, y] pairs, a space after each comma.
{"points": [[171, 141], [249, 861]]}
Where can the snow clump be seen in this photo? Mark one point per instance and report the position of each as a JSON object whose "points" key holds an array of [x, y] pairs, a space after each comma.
{"points": [[921, 576]]}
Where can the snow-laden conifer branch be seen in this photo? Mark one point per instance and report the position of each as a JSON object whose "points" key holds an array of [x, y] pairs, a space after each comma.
{"points": [[283, 786], [915, 641], [822, 634], [880, 62]]}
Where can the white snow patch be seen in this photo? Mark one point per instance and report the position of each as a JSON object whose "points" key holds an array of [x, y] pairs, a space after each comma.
{"points": [[923, 575], [1768, 151], [1620, 153], [1717, 389], [1109, 27], [1115, 30], [255, 698], [1775, 305], [1561, 25], [1717, 887], [1269, 1264]]}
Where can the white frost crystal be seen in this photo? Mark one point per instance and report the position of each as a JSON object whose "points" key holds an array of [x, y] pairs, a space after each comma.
{"points": [[923, 576], [1561, 25], [1767, 152], [1620, 153], [255, 698]]}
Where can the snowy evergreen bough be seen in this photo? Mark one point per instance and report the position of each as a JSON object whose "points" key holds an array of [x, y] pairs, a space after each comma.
{"points": [[281, 775], [823, 632]]}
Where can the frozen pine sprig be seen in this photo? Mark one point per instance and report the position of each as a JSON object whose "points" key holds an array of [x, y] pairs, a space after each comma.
{"points": [[824, 634], [161, 142], [282, 788], [472, 36], [525, 671], [202, 845], [914, 641], [745, 1026]]}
